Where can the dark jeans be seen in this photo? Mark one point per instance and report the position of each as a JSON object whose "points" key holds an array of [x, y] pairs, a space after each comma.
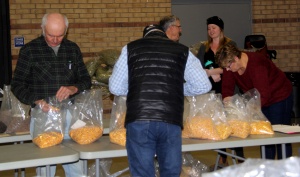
{"points": [[279, 113], [144, 139]]}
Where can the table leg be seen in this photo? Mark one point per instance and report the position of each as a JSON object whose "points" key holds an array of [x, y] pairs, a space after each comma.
{"points": [[38, 171], [23, 172], [48, 170], [263, 152], [97, 164], [16, 172], [85, 167], [283, 151]]}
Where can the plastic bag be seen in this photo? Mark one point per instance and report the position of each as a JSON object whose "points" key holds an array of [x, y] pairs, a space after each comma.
{"points": [[185, 132], [191, 167], [104, 169], [207, 119], [48, 126], [109, 56], [117, 131], [14, 114], [92, 66], [87, 117], [20, 119], [5, 110], [259, 123], [237, 116], [261, 168]]}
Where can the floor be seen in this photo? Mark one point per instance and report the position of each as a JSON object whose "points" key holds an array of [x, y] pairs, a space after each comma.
{"points": [[206, 157]]}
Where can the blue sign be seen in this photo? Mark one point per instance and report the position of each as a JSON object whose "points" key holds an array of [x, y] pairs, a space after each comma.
{"points": [[19, 41]]}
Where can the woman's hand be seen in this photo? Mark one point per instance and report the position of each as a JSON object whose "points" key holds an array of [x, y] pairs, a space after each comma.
{"points": [[216, 77]]}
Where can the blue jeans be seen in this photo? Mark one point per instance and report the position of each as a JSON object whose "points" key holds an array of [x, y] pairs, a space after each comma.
{"points": [[279, 113], [145, 139], [71, 169]]}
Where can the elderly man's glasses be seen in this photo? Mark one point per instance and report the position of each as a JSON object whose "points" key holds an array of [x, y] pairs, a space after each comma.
{"points": [[179, 26]]}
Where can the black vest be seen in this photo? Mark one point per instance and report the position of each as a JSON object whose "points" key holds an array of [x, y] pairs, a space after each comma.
{"points": [[156, 76]]}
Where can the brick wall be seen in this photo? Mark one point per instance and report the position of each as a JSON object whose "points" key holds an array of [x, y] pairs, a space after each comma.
{"points": [[94, 24], [101, 24], [279, 21]]}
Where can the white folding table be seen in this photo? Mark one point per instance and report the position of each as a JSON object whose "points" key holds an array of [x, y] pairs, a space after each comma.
{"points": [[29, 155], [103, 148]]}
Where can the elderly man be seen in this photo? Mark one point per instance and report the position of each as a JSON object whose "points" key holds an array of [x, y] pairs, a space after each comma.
{"points": [[171, 26], [51, 65]]}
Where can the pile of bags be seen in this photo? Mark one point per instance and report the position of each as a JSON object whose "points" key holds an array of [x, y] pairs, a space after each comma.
{"points": [[207, 117], [100, 68], [84, 113]]}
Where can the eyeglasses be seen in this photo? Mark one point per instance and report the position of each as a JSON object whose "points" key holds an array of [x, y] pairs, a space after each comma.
{"points": [[179, 26], [229, 65]]}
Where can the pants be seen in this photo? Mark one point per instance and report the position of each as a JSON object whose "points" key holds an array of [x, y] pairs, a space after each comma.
{"points": [[145, 139], [71, 169], [279, 113]]}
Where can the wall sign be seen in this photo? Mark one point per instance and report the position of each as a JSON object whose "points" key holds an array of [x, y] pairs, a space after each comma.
{"points": [[19, 41]]}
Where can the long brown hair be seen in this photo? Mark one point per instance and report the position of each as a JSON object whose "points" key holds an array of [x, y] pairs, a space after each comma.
{"points": [[223, 40]]}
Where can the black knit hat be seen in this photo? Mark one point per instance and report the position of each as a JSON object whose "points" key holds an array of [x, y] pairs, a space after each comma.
{"points": [[215, 20], [152, 28]]}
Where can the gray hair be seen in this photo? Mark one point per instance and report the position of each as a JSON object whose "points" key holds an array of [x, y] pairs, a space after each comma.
{"points": [[45, 19], [168, 21]]}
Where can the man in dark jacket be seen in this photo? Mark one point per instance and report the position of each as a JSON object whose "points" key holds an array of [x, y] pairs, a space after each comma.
{"points": [[155, 73]]}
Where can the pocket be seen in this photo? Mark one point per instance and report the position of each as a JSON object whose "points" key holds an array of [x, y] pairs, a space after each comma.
{"points": [[138, 131]]}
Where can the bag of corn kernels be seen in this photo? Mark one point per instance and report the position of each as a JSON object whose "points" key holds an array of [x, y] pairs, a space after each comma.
{"points": [[237, 116], [207, 118], [87, 117], [117, 131], [259, 123], [48, 123]]}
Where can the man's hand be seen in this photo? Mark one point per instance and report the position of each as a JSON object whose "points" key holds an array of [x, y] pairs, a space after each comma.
{"points": [[65, 92], [43, 105]]}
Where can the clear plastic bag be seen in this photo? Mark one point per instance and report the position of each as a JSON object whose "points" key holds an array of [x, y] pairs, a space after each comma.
{"points": [[185, 132], [259, 123], [261, 168], [207, 119], [117, 131], [48, 126], [191, 167], [20, 118], [5, 110], [237, 116], [87, 117], [14, 114], [104, 169]]}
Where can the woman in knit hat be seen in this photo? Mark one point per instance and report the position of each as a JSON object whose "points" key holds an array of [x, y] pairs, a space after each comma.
{"points": [[207, 51]]}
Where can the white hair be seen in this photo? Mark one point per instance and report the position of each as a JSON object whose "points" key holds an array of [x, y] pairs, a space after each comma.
{"points": [[45, 19]]}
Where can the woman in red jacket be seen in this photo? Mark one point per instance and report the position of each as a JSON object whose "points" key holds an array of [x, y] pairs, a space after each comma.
{"points": [[250, 70]]}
